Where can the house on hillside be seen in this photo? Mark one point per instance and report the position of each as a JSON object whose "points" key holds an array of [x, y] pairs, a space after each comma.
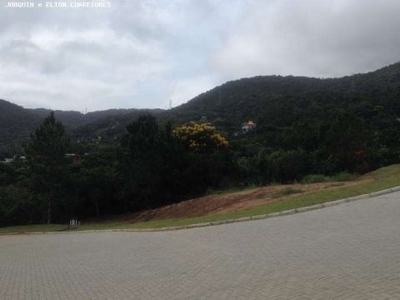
{"points": [[15, 158], [247, 126]]}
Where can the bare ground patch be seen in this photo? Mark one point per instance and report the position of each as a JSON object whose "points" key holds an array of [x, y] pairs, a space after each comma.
{"points": [[232, 202]]}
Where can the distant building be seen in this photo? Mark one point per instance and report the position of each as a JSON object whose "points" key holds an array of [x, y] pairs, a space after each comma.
{"points": [[15, 158], [247, 126]]}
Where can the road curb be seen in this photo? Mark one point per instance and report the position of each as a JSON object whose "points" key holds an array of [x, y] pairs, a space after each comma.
{"points": [[237, 220]]}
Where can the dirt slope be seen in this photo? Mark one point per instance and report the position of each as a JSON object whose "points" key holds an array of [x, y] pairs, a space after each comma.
{"points": [[231, 202]]}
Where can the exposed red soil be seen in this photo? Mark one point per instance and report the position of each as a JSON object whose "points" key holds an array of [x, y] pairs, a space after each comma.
{"points": [[231, 202]]}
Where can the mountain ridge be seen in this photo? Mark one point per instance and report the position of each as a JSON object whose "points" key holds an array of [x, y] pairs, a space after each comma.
{"points": [[273, 98]]}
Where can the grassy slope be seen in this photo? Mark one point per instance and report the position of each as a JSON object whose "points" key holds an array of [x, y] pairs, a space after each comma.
{"points": [[383, 178]]}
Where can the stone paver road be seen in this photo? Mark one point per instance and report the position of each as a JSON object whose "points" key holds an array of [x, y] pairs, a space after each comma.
{"points": [[349, 251]]}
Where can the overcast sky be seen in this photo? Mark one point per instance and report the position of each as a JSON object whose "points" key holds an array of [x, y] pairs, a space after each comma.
{"points": [[146, 53]]}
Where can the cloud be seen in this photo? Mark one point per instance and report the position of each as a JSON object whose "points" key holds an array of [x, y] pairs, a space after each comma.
{"points": [[311, 37], [141, 53], [67, 66], [191, 87]]}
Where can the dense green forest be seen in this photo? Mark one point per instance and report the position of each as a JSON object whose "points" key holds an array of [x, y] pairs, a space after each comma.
{"points": [[74, 165], [13, 135]]}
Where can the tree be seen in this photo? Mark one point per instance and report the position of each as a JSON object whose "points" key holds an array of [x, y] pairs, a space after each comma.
{"points": [[200, 138], [142, 164], [94, 183], [47, 164], [209, 165], [347, 142], [158, 166]]}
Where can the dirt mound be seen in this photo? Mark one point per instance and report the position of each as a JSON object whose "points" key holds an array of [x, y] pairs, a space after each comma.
{"points": [[231, 202]]}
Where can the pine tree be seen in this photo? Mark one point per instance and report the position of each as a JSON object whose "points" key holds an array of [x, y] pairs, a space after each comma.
{"points": [[45, 155]]}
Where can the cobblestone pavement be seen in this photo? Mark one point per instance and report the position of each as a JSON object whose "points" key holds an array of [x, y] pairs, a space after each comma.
{"points": [[349, 251]]}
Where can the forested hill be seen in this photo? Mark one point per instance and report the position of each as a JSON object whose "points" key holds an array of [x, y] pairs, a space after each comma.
{"points": [[17, 123], [274, 103], [302, 129], [280, 101], [305, 125]]}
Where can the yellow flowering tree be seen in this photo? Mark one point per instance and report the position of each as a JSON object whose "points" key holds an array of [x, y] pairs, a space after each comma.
{"points": [[201, 137]]}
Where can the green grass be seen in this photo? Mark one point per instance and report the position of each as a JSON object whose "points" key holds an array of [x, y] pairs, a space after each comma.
{"points": [[33, 228], [342, 176], [314, 178], [381, 179]]}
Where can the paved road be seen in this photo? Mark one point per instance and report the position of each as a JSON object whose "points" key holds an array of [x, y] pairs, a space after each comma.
{"points": [[349, 251]]}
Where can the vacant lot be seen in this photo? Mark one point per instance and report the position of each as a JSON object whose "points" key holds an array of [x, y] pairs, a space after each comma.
{"points": [[234, 202]]}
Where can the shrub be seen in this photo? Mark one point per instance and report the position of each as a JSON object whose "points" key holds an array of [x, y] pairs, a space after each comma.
{"points": [[343, 176], [314, 178]]}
